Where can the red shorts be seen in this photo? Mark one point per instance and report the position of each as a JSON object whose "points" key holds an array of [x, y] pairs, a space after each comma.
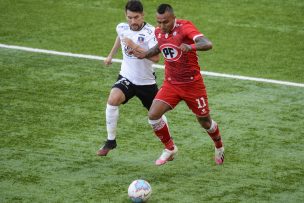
{"points": [[193, 93]]}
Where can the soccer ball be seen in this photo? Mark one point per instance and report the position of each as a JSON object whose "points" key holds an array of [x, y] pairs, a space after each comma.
{"points": [[139, 191]]}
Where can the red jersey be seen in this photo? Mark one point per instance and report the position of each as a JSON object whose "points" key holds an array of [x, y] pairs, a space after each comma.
{"points": [[180, 67]]}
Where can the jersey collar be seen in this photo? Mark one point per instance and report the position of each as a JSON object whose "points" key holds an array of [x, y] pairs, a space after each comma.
{"points": [[143, 25], [174, 25]]}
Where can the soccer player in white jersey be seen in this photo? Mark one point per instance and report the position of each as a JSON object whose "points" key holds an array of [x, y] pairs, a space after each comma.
{"points": [[136, 77]]}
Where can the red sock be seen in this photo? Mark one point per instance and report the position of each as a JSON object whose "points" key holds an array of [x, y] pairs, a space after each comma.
{"points": [[215, 135], [161, 130]]}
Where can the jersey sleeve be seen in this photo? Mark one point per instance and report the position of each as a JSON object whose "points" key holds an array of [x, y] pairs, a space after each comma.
{"points": [[120, 28], [191, 31], [152, 39], [152, 42]]}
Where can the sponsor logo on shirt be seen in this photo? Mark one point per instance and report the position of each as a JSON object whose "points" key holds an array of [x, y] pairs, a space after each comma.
{"points": [[171, 52]]}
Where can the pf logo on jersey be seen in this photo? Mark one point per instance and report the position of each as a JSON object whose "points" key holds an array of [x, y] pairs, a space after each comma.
{"points": [[171, 52]]}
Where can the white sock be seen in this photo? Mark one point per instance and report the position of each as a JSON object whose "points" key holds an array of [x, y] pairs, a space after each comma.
{"points": [[165, 119], [213, 127], [157, 124], [112, 114]]}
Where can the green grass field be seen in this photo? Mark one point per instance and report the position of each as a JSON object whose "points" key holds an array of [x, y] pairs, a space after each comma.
{"points": [[52, 116]]}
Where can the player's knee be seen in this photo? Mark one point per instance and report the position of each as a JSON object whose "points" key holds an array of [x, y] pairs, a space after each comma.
{"points": [[152, 115], [116, 97], [205, 125], [114, 101], [205, 122]]}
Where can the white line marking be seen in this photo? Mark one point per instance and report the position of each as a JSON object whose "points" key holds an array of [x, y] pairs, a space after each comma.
{"points": [[239, 77]]}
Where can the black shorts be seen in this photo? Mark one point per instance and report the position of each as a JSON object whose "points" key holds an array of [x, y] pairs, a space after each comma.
{"points": [[145, 93]]}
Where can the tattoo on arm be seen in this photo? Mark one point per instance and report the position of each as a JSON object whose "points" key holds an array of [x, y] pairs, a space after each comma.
{"points": [[153, 51], [203, 44]]}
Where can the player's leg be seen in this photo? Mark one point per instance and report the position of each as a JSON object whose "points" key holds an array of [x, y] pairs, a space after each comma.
{"points": [[159, 124], [120, 93], [197, 101], [165, 100], [146, 94], [213, 131], [161, 130], [116, 98]]}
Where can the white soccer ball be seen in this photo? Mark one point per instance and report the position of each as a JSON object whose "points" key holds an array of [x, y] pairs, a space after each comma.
{"points": [[139, 191]]}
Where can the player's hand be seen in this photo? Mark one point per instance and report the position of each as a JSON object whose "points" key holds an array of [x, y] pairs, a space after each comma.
{"points": [[185, 47], [138, 54], [108, 61], [129, 43]]}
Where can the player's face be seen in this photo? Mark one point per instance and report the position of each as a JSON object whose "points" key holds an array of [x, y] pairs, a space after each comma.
{"points": [[135, 20], [165, 21]]}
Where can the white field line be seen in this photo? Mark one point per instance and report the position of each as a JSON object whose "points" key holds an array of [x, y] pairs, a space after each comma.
{"points": [[239, 77]]}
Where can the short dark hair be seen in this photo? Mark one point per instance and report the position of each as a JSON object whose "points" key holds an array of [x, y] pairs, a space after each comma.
{"points": [[134, 6], [164, 8]]}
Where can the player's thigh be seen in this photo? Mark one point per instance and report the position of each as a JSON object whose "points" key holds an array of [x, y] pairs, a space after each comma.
{"points": [[169, 94], [116, 97], [146, 94], [122, 91], [158, 109], [197, 100]]}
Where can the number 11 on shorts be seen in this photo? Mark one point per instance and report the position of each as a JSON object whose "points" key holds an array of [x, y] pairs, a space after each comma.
{"points": [[201, 102]]}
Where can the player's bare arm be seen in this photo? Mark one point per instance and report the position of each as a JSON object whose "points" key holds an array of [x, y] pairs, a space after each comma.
{"points": [[152, 52], [108, 60], [140, 52], [201, 44], [145, 54]]}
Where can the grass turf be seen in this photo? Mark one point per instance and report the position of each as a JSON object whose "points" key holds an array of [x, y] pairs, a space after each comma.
{"points": [[52, 123], [52, 108]]}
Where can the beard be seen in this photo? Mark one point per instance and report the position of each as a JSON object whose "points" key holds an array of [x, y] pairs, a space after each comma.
{"points": [[135, 27]]}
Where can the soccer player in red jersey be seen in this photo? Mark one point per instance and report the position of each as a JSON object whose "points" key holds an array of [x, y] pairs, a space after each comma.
{"points": [[178, 41]]}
